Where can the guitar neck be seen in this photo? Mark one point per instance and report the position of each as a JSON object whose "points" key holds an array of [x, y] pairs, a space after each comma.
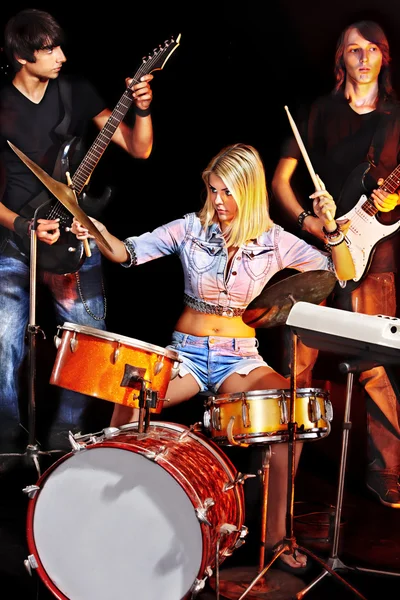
{"points": [[390, 185], [153, 62], [103, 138]]}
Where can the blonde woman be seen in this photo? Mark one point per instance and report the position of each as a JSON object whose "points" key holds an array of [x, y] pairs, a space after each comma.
{"points": [[229, 251]]}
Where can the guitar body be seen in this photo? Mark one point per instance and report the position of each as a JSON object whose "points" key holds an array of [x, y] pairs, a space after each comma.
{"points": [[67, 254], [366, 231]]}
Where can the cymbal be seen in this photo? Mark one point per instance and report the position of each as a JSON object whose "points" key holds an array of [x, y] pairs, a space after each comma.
{"points": [[274, 585], [275, 302], [64, 194]]}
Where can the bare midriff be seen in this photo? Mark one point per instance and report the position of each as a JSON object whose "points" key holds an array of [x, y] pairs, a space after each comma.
{"points": [[193, 322]]}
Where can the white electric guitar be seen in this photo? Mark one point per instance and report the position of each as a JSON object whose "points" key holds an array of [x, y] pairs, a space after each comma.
{"points": [[366, 230]]}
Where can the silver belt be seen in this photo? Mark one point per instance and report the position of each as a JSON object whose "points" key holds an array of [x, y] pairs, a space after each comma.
{"points": [[212, 309]]}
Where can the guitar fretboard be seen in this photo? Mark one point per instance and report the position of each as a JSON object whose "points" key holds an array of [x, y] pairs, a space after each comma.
{"points": [[390, 185]]}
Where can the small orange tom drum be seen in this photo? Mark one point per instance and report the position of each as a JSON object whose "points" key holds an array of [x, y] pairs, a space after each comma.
{"points": [[112, 367]]}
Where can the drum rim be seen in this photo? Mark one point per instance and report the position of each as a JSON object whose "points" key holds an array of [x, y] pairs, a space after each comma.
{"points": [[230, 397], [116, 337]]}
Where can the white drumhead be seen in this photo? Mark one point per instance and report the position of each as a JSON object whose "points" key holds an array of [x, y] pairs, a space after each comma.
{"points": [[122, 339], [110, 523]]}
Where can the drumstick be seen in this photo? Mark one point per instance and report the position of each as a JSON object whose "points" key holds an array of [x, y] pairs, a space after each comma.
{"points": [[86, 246], [306, 157]]}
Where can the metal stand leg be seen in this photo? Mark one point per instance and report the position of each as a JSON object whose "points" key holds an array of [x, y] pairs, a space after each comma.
{"points": [[32, 450], [334, 561], [289, 541]]}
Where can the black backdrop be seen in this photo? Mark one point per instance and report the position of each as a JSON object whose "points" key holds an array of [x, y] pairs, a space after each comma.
{"points": [[238, 64]]}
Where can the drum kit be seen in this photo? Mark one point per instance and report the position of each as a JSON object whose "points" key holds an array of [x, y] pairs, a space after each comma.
{"points": [[153, 509], [154, 506]]}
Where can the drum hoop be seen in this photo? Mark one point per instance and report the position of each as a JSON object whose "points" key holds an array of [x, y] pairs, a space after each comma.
{"points": [[116, 337], [278, 392]]}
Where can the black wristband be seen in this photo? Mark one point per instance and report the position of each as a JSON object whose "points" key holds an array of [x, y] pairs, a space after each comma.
{"points": [[22, 226], [302, 216], [142, 112]]}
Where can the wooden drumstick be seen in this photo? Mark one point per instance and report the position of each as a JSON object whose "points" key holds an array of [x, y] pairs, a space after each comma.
{"points": [[306, 157], [86, 246]]}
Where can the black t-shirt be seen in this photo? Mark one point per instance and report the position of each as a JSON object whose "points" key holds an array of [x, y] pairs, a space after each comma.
{"points": [[31, 128], [338, 140]]}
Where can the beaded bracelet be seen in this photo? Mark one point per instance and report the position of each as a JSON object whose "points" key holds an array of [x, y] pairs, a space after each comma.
{"points": [[303, 215], [335, 242], [331, 234]]}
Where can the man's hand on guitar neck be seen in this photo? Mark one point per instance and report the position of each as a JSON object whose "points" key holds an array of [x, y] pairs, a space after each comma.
{"points": [[141, 92], [384, 201]]}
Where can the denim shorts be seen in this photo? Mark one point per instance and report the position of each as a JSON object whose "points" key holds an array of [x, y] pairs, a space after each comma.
{"points": [[211, 359]]}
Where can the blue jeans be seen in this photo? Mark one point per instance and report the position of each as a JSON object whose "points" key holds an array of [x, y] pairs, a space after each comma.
{"points": [[77, 298], [210, 360]]}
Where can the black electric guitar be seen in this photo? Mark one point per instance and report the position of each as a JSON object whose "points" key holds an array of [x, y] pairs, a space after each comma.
{"points": [[367, 228], [67, 254]]}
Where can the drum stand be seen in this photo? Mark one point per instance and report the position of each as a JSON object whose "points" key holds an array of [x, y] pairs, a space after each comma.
{"points": [[289, 543], [334, 561], [32, 450]]}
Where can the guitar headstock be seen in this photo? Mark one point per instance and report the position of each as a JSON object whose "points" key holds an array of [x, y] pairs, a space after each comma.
{"points": [[156, 60]]}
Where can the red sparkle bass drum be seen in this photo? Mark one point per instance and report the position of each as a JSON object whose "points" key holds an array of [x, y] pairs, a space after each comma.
{"points": [[134, 515]]}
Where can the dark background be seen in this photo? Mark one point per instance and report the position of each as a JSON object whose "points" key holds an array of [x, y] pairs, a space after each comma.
{"points": [[237, 66]]}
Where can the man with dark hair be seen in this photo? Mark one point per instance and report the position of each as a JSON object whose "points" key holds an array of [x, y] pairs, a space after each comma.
{"points": [[39, 110], [358, 122]]}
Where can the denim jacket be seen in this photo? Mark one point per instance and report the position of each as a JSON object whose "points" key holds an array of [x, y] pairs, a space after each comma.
{"points": [[207, 280]]}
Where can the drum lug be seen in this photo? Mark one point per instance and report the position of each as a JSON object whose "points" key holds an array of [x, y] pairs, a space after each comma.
{"points": [[201, 512], [158, 367], [216, 419], [207, 419], [328, 410], [151, 455], [31, 490], [243, 532], [228, 529], [73, 343], [30, 563], [314, 410], [284, 411], [195, 427], [246, 414], [116, 353], [239, 480], [199, 584], [175, 369]]}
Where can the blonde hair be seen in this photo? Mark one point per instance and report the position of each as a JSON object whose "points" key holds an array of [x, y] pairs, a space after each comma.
{"points": [[242, 171]]}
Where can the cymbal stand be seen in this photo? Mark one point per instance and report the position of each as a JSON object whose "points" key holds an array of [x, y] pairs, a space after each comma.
{"points": [[334, 561], [32, 450], [289, 543]]}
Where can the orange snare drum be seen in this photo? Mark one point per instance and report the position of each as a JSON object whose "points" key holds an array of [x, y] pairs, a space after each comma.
{"points": [[262, 416], [111, 366]]}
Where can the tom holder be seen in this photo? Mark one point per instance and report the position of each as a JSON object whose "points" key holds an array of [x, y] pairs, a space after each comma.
{"points": [[32, 449]]}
